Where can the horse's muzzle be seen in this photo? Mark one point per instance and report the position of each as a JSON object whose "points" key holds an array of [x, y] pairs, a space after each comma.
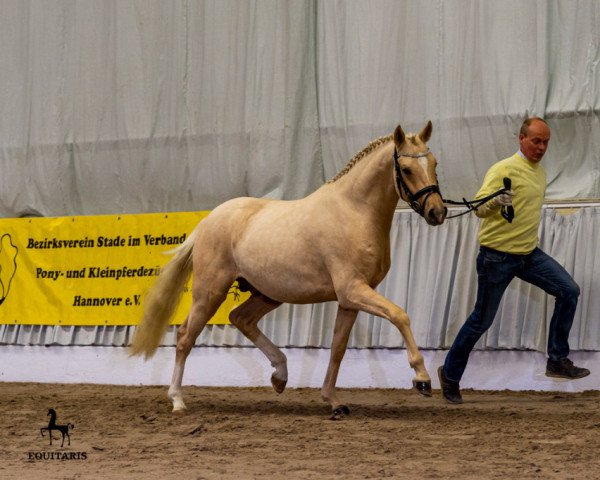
{"points": [[436, 215]]}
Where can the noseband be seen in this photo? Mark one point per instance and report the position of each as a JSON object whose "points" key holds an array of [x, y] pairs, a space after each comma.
{"points": [[413, 199]]}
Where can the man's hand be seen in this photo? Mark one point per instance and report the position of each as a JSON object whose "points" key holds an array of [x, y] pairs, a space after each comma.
{"points": [[492, 206], [504, 199]]}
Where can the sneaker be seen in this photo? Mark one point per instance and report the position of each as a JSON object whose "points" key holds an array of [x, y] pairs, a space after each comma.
{"points": [[564, 368], [450, 389]]}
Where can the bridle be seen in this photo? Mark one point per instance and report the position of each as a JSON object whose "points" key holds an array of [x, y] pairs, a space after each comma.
{"points": [[413, 198]]}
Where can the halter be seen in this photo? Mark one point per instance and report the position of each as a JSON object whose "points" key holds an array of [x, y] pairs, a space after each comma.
{"points": [[413, 199]]}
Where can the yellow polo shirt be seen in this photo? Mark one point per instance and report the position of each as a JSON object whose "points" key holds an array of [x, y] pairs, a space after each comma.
{"points": [[529, 184]]}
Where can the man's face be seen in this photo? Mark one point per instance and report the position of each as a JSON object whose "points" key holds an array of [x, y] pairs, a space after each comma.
{"points": [[535, 143]]}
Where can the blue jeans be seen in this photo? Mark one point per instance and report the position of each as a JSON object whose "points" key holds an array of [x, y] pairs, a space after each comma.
{"points": [[495, 270]]}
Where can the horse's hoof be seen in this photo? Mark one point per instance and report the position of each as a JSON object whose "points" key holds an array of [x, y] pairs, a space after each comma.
{"points": [[278, 384], [179, 408], [340, 412], [424, 388]]}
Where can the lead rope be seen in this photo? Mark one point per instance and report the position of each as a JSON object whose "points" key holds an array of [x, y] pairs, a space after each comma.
{"points": [[472, 205]]}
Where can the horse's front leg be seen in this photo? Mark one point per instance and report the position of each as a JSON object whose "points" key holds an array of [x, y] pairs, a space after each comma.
{"points": [[363, 297], [343, 326]]}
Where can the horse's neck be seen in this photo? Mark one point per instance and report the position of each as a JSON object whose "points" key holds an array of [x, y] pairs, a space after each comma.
{"points": [[52, 421], [370, 183]]}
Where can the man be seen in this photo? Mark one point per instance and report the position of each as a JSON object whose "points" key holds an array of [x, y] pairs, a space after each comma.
{"points": [[509, 250]]}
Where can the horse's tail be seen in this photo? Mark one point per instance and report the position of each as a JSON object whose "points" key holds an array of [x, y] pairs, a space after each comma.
{"points": [[162, 299]]}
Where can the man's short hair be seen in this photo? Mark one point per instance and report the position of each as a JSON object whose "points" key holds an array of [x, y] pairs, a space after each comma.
{"points": [[527, 122]]}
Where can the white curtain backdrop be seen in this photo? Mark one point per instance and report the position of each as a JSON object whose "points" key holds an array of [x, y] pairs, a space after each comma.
{"points": [[145, 106], [125, 106], [137, 106]]}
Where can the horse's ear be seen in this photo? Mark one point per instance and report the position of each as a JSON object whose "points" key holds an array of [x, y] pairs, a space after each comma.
{"points": [[399, 136], [425, 134]]}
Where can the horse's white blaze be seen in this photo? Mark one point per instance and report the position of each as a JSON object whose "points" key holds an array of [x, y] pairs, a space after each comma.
{"points": [[423, 161]]}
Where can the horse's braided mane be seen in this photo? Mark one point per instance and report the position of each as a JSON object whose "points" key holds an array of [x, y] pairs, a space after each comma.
{"points": [[360, 155]]}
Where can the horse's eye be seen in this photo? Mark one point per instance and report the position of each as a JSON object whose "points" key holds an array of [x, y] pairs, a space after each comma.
{"points": [[406, 171]]}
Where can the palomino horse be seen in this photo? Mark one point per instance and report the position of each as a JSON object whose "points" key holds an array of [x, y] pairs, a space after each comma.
{"points": [[333, 245]]}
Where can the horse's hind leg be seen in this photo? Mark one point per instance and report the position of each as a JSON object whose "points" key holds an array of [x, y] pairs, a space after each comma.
{"points": [[341, 333], [204, 305], [363, 297], [246, 318]]}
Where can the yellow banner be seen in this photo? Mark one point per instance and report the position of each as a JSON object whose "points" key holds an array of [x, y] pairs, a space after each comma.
{"points": [[90, 270]]}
